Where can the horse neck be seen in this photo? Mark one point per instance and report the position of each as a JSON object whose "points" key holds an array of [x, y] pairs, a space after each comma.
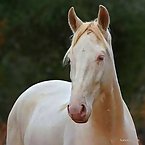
{"points": [[108, 106]]}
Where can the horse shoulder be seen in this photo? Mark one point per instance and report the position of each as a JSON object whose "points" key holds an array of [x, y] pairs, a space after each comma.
{"points": [[28, 101]]}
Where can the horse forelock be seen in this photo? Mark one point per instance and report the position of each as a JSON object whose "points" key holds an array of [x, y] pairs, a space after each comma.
{"points": [[82, 29], [90, 27]]}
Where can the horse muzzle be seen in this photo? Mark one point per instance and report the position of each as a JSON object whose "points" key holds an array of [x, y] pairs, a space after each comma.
{"points": [[78, 113]]}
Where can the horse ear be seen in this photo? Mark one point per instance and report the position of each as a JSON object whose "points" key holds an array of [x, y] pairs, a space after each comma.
{"points": [[73, 20], [103, 17]]}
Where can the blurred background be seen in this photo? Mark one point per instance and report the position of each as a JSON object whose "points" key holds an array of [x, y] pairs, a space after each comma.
{"points": [[34, 36]]}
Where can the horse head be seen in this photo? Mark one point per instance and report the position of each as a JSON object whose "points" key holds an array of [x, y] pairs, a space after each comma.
{"points": [[89, 57]]}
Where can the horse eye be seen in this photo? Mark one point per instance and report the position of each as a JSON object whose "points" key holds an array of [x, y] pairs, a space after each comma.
{"points": [[100, 58]]}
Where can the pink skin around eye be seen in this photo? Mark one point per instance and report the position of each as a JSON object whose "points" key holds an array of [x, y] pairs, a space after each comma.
{"points": [[100, 58]]}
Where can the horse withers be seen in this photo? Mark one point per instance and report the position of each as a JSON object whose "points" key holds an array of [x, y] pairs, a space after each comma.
{"points": [[88, 111]]}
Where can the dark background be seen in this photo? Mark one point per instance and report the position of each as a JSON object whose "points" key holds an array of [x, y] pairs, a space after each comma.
{"points": [[34, 36]]}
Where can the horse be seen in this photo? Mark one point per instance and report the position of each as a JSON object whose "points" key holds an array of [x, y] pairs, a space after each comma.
{"points": [[90, 109]]}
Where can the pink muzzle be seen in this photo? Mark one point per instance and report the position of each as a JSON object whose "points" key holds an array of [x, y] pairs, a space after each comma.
{"points": [[77, 112]]}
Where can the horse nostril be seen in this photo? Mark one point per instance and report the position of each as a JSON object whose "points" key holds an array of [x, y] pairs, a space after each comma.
{"points": [[68, 108], [83, 110]]}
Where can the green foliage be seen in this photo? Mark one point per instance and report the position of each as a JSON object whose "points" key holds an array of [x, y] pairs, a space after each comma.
{"points": [[34, 36]]}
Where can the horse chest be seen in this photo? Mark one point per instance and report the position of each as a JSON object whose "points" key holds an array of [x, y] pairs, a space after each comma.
{"points": [[83, 134], [48, 129]]}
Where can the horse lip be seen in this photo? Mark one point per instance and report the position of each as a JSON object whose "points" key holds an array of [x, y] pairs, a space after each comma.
{"points": [[80, 121], [83, 120]]}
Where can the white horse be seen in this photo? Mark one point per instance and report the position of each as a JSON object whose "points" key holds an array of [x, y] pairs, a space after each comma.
{"points": [[88, 111]]}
